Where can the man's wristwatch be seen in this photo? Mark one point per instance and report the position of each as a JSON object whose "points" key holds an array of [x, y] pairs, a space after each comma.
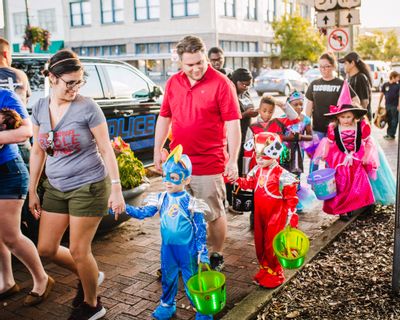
{"points": [[115, 181]]}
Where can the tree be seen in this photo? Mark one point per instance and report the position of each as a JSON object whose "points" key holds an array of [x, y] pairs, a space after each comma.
{"points": [[370, 46], [379, 46], [391, 50], [298, 40], [35, 35]]}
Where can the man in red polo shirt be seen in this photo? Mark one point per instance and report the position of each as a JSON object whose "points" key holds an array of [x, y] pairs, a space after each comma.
{"points": [[201, 107]]}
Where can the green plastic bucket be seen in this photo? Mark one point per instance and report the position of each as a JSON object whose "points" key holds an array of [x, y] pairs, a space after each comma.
{"points": [[291, 246], [208, 291]]}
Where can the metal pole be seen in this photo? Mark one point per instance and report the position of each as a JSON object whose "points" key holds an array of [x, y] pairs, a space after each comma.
{"points": [[396, 252], [5, 17], [27, 13]]}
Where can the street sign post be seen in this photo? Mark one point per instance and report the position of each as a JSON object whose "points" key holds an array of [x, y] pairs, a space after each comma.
{"points": [[338, 39], [326, 19], [324, 5], [349, 17]]}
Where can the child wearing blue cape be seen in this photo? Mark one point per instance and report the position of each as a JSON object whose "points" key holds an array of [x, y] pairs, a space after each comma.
{"points": [[384, 186], [183, 231]]}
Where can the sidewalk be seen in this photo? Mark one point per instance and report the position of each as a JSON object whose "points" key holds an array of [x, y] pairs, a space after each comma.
{"points": [[129, 256]]}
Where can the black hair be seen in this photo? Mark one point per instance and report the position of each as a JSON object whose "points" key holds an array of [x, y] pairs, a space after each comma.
{"points": [[364, 69], [215, 50], [63, 62], [241, 74]]}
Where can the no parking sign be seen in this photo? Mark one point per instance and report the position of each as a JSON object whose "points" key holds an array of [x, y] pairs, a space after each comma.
{"points": [[338, 39]]}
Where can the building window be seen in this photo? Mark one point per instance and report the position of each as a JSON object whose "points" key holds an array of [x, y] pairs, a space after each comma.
{"points": [[47, 19], [112, 11], [184, 8], [147, 9], [114, 50], [19, 23], [229, 9], [251, 9], [155, 47], [289, 7], [304, 11], [239, 46], [80, 13], [271, 10]]}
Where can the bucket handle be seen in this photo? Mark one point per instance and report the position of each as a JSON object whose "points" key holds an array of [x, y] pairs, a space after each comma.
{"points": [[199, 274], [287, 230], [312, 167], [237, 190]]}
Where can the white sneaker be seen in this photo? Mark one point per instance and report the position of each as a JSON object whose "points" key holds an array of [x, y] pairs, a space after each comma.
{"points": [[100, 278]]}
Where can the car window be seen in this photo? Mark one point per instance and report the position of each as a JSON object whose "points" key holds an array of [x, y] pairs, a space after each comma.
{"points": [[126, 83], [33, 69], [92, 88]]}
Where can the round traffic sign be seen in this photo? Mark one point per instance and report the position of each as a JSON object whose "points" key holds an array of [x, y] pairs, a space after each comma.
{"points": [[338, 39]]}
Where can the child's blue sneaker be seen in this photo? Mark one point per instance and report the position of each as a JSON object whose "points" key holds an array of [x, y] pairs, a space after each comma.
{"points": [[200, 316], [164, 312]]}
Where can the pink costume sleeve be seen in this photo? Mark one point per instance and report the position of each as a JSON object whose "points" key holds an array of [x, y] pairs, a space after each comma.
{"points": [[371, 157], [325, 144]]}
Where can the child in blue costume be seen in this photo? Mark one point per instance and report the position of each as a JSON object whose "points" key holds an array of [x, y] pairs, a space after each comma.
{"points": [[183, 231]]}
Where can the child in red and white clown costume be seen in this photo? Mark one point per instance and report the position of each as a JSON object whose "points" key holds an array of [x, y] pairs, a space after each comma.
{"points": [[275, 203]]}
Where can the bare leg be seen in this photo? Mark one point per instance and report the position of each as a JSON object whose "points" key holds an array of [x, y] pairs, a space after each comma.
{"points": [[52, 228], [217, 230], [19, 245], [82, 231], [6, 275]]}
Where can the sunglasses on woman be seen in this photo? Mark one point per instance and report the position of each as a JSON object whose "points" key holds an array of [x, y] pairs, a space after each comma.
{"points": [[50, 143]]}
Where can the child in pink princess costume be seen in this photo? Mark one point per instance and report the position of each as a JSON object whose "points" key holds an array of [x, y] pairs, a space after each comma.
{"points": [[349, 149]]}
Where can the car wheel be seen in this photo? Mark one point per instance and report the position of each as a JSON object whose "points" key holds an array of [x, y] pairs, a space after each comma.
{"points": [[259, 93], [286, 91]]}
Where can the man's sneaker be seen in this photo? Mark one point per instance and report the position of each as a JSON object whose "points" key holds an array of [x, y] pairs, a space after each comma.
{"points": [[87, 312], [80, 295], [216, 261]]}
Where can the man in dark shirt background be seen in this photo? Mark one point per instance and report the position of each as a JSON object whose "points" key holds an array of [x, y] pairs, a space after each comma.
{"points": [[10, 77], [391, 90], [217, 60]]}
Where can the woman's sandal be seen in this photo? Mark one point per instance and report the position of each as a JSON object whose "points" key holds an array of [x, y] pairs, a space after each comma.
{"points": [[10, 292], [33, 298]]}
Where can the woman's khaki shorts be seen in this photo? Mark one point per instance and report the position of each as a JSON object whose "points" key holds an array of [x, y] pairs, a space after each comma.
{"points": [[90, 200], [212, 190]]}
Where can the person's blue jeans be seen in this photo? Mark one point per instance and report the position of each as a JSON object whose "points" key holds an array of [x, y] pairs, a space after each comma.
{"points": [[393, 119], [320, 135]]}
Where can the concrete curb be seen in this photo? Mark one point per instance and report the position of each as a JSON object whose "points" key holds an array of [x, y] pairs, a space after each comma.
{"points": [[254, 302]]}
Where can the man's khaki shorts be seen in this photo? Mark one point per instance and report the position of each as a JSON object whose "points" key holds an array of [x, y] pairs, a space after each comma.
{"points": [[212, 190], [90, 200]]}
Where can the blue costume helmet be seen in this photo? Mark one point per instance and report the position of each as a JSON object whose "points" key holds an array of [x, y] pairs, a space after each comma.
{"points": [[179, 164], [295, 95]]}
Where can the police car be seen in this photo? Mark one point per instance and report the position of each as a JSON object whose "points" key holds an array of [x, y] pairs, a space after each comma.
{"points": [[129, 99]]}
